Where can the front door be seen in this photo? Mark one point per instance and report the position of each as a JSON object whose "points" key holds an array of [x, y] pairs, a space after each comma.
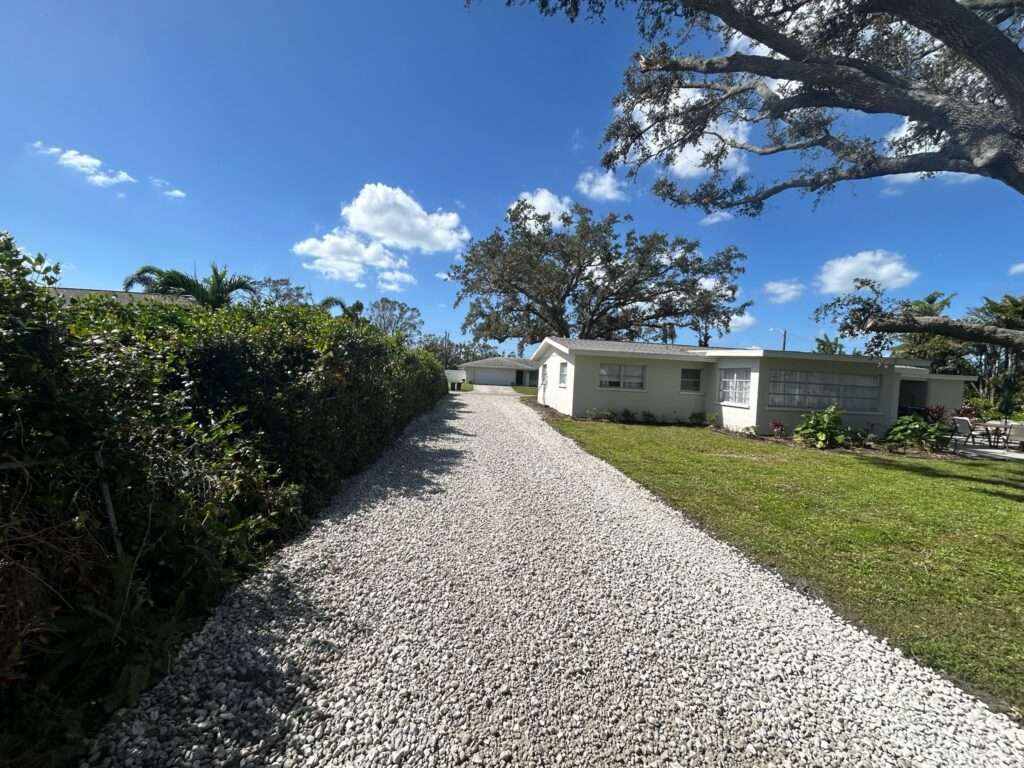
{"points": [[519, 378], [913, 397]]}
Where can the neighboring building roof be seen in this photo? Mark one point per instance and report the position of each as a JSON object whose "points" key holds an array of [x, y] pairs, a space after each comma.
{"points": [[514, 363], [685, 351], [122, 297]]}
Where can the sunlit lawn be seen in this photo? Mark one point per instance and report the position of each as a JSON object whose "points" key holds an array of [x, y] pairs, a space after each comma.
{"points": [[926, 552], [526, 391]]}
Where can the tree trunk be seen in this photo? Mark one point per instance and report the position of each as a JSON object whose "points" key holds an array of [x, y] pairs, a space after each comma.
{"points": [[950, 328]]}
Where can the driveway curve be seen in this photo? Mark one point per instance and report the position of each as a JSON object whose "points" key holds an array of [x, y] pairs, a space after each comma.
{"points": [[489, 594]]}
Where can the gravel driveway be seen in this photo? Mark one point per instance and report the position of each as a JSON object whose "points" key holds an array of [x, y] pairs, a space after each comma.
{"points": [[488, 594]]}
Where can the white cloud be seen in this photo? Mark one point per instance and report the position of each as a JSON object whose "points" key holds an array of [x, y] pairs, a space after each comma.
{"points": [[600, 186], [159, 183], [889, 269], [715, 218], [177, 194], [1017, 268], [378, 219], [79, 161], [442, 276], [389, 216], [342, 255], [43, 149], [163, 184], [109, 178], [91, 167], [742, 323], [782, 291], [545, 201], [393, 280]]}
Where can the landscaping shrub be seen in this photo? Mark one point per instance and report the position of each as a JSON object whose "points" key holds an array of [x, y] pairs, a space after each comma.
{"points": [[822, 429], [918, 433], [152, 454]]}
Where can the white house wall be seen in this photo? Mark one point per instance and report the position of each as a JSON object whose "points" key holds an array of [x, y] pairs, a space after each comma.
{"points": [[876, 421], [661, 394], [949, 393], [549, 392], [737, 418]]}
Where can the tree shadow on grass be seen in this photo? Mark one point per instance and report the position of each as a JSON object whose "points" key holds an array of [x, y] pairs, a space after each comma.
{"points": [[1010, 485]]}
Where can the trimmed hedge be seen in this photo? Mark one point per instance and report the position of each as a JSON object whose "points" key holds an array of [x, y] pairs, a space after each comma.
{"points": [[215, 435]]}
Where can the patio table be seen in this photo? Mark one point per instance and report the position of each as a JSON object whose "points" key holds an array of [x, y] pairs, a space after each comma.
{"points": [[996, 429]]}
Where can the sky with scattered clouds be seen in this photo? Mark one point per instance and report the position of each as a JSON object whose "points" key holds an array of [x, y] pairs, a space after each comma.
{"points": [[358, 148]]}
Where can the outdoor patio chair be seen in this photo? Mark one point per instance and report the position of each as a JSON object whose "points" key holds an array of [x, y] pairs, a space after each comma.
{"points": [[1010, 438], [967, 433]]}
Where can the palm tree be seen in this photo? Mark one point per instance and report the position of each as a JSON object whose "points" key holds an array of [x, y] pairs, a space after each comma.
{"points": [[351, 311], [214, 291]]}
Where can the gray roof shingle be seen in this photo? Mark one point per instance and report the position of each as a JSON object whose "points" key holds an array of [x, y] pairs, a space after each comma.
{"points": [[514, 363]]}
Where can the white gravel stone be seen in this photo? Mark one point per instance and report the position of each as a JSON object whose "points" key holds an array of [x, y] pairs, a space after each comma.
{"points": [[489, 594]]}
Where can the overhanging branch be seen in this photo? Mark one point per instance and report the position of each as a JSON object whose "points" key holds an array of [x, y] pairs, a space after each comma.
{"points": [[954, 329]]}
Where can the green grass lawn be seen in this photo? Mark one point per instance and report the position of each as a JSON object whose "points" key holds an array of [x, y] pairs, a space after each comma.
{"points": [[928, 553], [467, 387], [526, 391]]}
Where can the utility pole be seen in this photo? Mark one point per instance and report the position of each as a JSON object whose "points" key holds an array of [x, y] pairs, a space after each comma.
{"points": [[785, 334]]}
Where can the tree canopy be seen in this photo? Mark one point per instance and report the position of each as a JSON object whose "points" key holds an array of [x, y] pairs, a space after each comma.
{"points": [[584, 277], [726, 93], [214, 291], [396, 317], [722, 81], [455, 353]]}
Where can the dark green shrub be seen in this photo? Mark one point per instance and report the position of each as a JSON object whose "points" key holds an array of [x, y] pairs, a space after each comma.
{"points": [[918, 433], [822, 429], [216, 433]]}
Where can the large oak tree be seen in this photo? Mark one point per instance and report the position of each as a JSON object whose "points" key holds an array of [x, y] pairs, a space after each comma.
{"points": [[720, 82], [584, 277]]}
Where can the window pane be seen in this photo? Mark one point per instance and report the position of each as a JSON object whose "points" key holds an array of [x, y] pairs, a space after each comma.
{"points": [[563, 369], [735, 386], [633, 377], [816, 390], [609, 376], [689, 380]]}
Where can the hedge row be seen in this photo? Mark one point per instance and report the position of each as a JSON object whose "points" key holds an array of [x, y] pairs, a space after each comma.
{"points": [[151, 455]]}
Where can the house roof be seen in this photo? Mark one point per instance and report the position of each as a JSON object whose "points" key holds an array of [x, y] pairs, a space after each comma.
{"points": [[513, 363], [122, 297], [685, 351]]}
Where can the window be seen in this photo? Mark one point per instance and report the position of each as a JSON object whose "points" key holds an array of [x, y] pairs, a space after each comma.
{"points": [[563, 373], [813, 390], [689, 380], [544, 374], [621, 377], [735, 388]]}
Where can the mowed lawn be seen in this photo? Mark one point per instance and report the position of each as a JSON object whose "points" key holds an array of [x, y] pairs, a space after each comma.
{"points": [[526, 391], [928, 553]]}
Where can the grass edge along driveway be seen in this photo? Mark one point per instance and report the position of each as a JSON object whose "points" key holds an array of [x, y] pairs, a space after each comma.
{"points": [[928, 553]]}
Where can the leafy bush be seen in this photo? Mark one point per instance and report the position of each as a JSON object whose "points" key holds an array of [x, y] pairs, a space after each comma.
{"points": [[916, 432], [935, 414], [822, 429], [215, 435]]}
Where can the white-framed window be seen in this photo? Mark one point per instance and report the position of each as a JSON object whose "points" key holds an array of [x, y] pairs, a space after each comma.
{"points": [[622, 376], [563, 374], [689, 380], [544, 374], [735, 386], [814, 390]]}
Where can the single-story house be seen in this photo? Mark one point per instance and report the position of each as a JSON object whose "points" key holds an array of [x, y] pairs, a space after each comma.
{"points": [[507, 371], [68, 295], [741, 389]]}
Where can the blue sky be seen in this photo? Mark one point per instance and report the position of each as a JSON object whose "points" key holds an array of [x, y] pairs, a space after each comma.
{"points": [[247, 130]]}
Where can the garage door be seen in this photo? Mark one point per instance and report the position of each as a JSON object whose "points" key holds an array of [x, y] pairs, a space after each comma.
{"points": [[505, 376]]}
